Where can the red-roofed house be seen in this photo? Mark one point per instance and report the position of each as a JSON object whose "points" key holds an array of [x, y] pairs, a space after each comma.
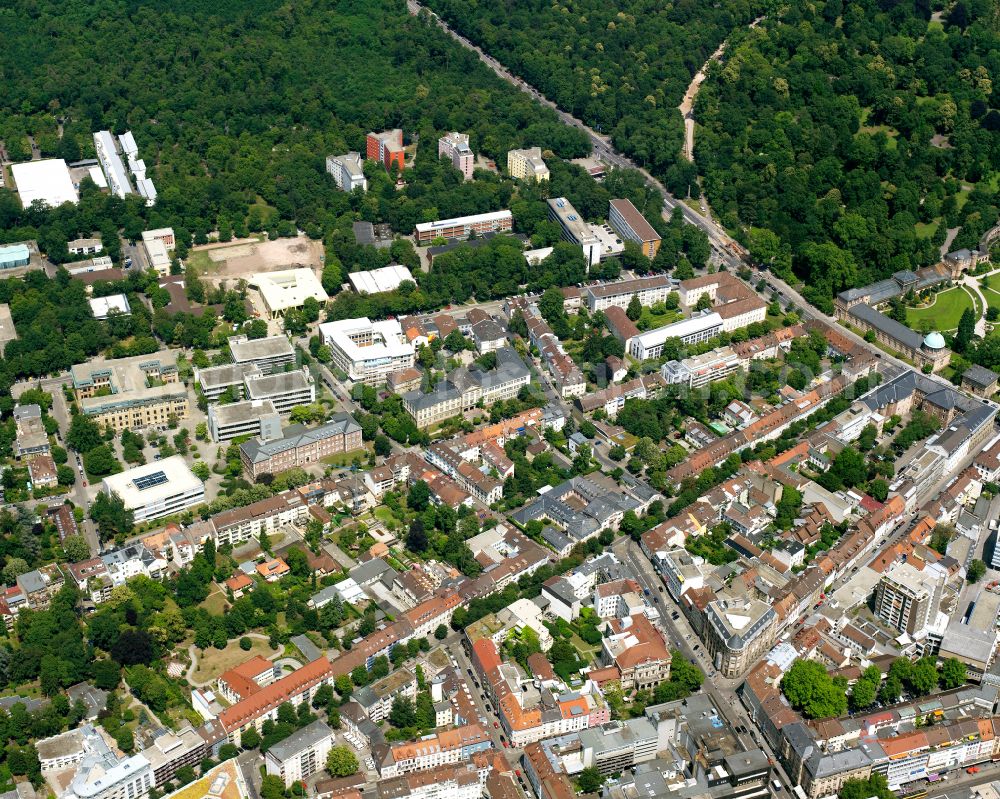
{"points": [[239, 584]]}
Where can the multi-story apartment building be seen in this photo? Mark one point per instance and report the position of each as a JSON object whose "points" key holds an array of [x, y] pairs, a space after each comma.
{"points": [[215, 381], [568, 378], [171, 752], [348, 171], [461, 780], [700, 370], [247, 678], [637, 649], [455, 147], [31, 436], [99, 772], [253, 418], [738, 631], [386, 148], [618, 599], [270, 354], [376, 699], [619, 294], [431, 751], [574, 229], [463, 227], [477, 481], [285, 389], [367, 351], [298, 687], [527, 164], [907, 598], [632, 225], [301, 754], [157, 489], [111, 164], [529, 713], [238, 525], [678, 569], [40, 585], [299, 446], [131, 393], [464, 388]]}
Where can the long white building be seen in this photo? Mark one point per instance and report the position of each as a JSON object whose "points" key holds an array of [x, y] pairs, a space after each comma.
{"points": [[463, 227], [157, 489], [700, 327], [367, 351], [111, 163]]}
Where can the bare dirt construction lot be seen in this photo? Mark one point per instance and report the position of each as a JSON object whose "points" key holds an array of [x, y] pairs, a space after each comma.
{"points": [[243, 258]]}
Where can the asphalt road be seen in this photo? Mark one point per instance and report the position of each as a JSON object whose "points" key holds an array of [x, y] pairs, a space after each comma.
{"points": [[79, 495], [602, 147], [722, 691]]}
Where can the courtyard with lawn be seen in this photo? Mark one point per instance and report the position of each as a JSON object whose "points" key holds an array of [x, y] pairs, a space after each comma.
{"points": [[944, 312]]}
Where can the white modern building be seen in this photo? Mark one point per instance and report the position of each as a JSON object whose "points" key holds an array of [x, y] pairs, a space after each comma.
{"points": [[385, 278], [98, 771], [701, 327], [574, 229], [300, 755], [103, 307], [348, 171], [157, 489], [156, 243], [463, 227], [111, 163], [261, 418], [47, 181], [367, 351], [287, 289], [270, 354], [284, 389]]}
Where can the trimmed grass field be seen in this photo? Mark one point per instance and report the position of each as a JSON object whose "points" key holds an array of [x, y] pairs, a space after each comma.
{"points": [[215, 661], [992, 295], [945, 312]]}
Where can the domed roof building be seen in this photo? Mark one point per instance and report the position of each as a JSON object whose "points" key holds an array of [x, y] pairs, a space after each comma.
{"points": [[934, 341]]}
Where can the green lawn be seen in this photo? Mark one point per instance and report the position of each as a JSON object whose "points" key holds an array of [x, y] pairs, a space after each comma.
{"points": [[925, 230], [651, 321], [992, 297], [945, 312]]}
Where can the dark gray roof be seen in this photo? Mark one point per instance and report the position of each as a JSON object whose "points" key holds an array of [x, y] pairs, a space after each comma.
{"points": [[308, 649], [980, 376], [297, 741], [364, 233], [890, 327], [375, 569], [297, 436]]}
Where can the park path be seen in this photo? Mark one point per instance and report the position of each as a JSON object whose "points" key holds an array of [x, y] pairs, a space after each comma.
{"points": [[970, 282], [687, 103]]}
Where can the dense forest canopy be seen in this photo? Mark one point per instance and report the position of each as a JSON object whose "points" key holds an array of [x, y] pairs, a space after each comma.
{"points": [[235, 105], [621, 67], [857, 132]]}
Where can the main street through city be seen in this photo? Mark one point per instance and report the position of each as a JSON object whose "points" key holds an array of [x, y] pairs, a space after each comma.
{"points": [[722, 691]]}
